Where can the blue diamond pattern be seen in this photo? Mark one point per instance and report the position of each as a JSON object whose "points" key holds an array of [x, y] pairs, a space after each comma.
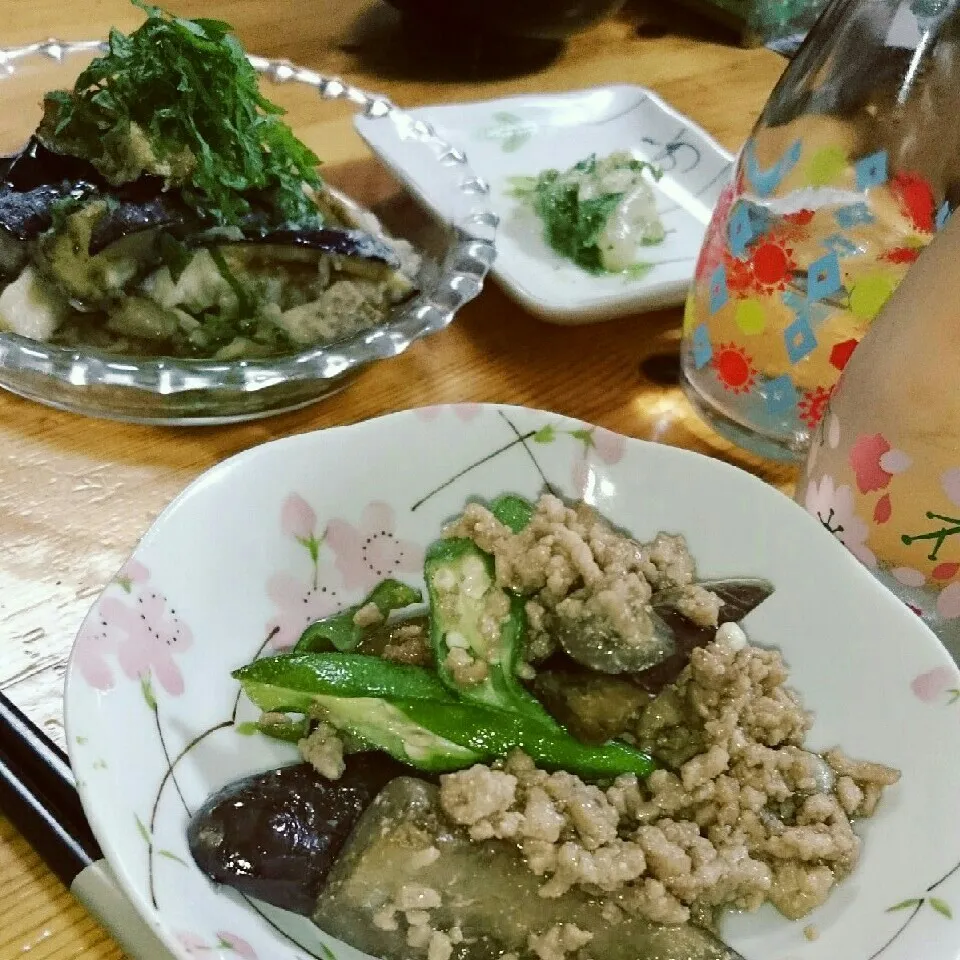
{"points": [[854, 215], [718, 288], [781, 395], [799, 338], [740, 230], [872, 170], [943, 215], [702, 348], [823, 277], [837, 243]]}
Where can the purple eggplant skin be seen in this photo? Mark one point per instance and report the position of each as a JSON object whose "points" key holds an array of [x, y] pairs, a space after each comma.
{"points": [[35, 179], [740, 597], [275, 836], [596, 707]]}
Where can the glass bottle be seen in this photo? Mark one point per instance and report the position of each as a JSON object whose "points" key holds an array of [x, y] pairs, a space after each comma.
{"points": [[883, 470], [851, 170]]}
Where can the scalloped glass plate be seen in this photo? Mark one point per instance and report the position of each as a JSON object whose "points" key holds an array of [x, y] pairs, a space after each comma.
{"points": [[155, 722], [458, 252]]}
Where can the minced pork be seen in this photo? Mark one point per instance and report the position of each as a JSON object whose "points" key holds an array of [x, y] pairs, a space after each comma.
{"points": [[573, 563], [752, 817]]}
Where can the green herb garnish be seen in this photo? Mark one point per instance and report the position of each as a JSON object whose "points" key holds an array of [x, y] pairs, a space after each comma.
{"points": [[179, 98], [573, 226]]}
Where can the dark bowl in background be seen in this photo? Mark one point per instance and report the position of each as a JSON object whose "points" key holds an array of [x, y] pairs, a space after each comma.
{"points": [[530, 19]]}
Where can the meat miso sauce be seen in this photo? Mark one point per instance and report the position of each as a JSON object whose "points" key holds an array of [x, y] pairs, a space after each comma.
{"points": [[567, 749]]}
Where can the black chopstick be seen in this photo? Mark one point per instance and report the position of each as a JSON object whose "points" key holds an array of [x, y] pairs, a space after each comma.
{"points": [[38, 794]]}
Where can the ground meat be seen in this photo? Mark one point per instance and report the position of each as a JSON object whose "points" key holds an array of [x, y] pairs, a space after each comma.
{"points": [[558, 941], [323, 749], [368, 615], [409, 644], [700, 605], [750, 816], [414, 902], [572, 563], [666, 562], [466, 671]]}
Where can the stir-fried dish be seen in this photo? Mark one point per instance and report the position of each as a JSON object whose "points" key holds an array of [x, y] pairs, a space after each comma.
{"points": [[601, 213], [571, 751], [162, 207]]}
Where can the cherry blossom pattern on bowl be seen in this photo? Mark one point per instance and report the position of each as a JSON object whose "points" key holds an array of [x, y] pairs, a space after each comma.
{"points": [[155, 722]]}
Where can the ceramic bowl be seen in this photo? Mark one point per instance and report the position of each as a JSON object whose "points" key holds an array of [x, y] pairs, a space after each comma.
{"points": [[290, 530]]}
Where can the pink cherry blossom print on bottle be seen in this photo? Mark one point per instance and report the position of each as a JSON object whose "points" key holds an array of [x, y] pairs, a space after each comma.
{"points": [[833, 506]]}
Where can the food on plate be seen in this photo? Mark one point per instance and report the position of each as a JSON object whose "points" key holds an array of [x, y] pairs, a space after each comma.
{"points": [[601, 213], [542, 795], [162, 207]]}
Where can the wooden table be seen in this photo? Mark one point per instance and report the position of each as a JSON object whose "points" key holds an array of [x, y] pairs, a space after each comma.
{"points": [[76, 494]]}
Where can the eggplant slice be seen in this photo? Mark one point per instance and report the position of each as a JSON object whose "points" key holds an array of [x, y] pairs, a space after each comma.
{"points": [[276, 835], [597, 707], [37, 179]]}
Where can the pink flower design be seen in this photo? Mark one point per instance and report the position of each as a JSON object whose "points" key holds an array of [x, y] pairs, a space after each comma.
{"points": [[297, 518], [609, 448], [950, 481], [833, 507], [833, 431], [463, 411], [908, 576], [930, 686], [300, 604], [371, 551], [196, 945], [144, 638], [133, 572], [883, 510], [948, 602], [237, 944], [865, 457], [895, 461], [192, 943], [944, 571]]}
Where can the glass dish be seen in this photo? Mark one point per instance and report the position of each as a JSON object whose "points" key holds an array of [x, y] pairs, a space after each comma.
{"points": [[170, 391]]}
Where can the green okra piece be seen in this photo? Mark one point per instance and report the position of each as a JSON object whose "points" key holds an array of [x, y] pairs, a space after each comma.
{"points": [[339, 632], [384, 725], [512, 511], [474, 619], [288, 730], [434, 736], [494, 733], [291, 682]]}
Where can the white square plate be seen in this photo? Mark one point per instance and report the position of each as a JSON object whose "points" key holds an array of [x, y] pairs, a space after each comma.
{"points": [[520, 136]]}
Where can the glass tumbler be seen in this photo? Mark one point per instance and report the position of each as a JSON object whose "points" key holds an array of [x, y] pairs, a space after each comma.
{"points": [[851, 170]]}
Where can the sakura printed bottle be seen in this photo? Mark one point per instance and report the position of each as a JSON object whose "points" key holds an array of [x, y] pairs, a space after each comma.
{"points": [[883, 470]]}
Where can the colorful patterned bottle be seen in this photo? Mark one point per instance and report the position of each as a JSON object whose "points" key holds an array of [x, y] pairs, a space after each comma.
{"points": [[883, 470], [850, 172]]}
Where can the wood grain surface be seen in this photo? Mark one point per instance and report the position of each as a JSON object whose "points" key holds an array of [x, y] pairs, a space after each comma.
{"points": [[76, 493]]}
